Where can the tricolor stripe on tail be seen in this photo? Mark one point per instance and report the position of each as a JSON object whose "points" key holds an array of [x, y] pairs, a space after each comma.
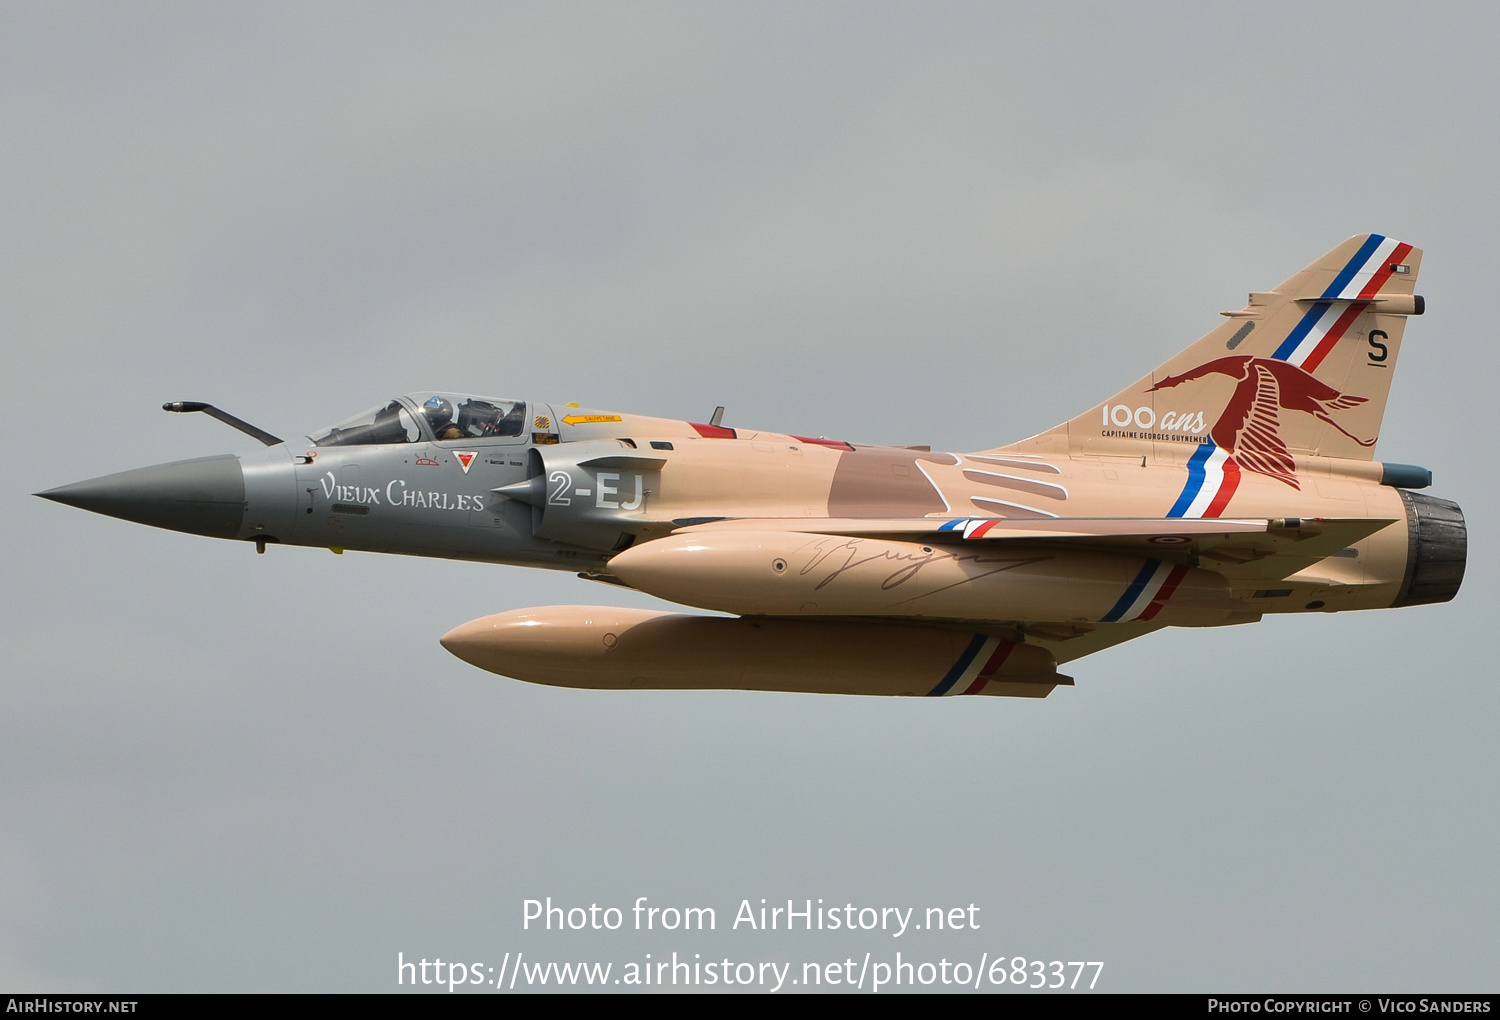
{"points": [[1212, 478], [1324, 324], [1213, 474]]}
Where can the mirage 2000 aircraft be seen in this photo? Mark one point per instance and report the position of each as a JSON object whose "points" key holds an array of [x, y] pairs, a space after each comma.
{"points": [[1236, 480]]}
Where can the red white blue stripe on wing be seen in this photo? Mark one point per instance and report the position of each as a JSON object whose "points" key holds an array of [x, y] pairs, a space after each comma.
{"points": [[972, 527], [1146, 595], [975, 667]]}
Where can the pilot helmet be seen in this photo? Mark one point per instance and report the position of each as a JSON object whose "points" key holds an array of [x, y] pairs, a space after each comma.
{"points": [[439, 413]]}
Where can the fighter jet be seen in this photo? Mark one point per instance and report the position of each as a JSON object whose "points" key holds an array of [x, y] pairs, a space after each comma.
{"points": [[1233, 481]]}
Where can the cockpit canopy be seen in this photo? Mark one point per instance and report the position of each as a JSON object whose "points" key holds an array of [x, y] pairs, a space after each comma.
{"points": [[440, 417]]}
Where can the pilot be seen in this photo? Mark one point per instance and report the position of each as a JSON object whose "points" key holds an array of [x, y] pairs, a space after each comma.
{"points": [[513, 421], [440, 416]]}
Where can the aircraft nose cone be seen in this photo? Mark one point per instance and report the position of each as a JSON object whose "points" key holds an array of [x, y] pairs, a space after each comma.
{"points": [[205, 496]]}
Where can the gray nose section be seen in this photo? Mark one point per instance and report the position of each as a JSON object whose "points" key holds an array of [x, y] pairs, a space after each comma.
{"points": [[205, 496]]}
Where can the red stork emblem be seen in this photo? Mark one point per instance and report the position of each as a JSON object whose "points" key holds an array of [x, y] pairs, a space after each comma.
{"points": [[1249, 428]]}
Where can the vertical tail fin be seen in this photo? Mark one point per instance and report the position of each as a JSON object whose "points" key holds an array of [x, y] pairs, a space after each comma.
{"points": [[1302, 369]]}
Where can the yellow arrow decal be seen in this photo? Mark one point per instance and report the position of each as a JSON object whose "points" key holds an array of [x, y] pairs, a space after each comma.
{"points": [[589, 419]]}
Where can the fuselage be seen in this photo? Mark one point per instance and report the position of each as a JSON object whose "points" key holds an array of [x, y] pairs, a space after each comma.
{"points": [[576, 487]]}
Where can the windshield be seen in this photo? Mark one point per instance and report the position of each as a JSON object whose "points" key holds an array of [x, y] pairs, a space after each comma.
{"points": [[392, 423], [454, 416]]}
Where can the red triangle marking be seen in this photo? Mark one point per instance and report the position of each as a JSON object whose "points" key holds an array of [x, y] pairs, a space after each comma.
{"points": [[465, 459]]}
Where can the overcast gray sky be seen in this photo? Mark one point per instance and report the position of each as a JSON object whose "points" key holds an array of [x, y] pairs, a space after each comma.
{"points": [[953, 224]]}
